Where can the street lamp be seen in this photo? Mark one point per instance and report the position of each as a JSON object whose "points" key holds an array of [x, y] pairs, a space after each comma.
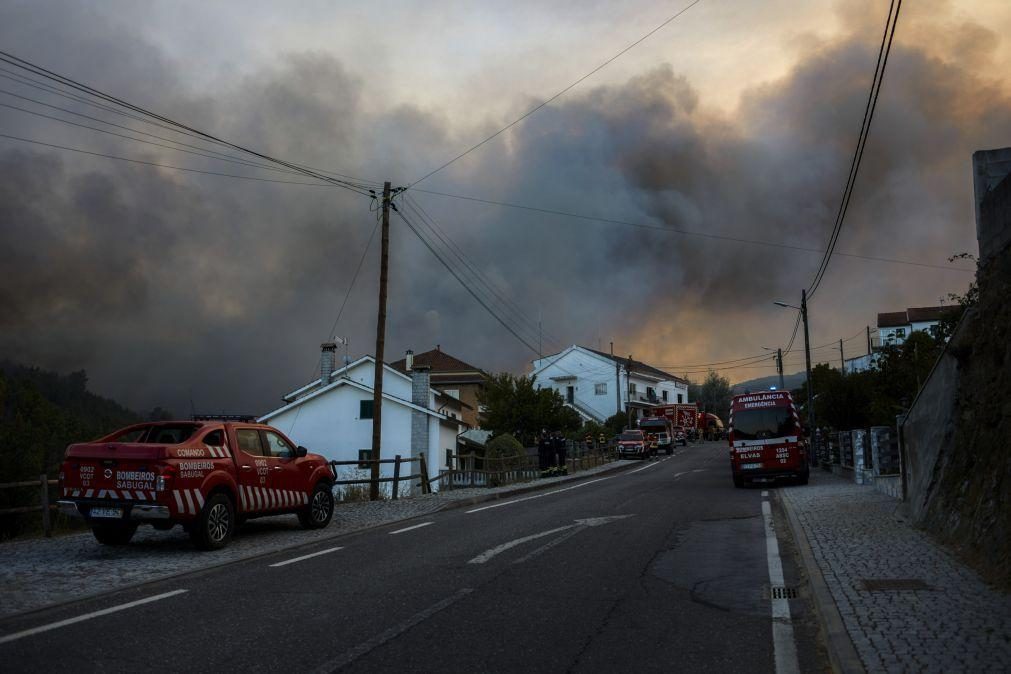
{"points": [[779, 365], [807, 354]]}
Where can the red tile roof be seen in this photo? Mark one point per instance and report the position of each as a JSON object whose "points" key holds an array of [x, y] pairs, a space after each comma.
{"points": [[892, 319], [896, 319]]}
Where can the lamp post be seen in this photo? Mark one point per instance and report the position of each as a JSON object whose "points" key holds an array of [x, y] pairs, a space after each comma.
{"points": [[807, 355]]}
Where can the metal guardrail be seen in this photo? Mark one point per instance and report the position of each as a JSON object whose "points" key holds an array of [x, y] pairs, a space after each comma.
{"points": [[43, 484]]}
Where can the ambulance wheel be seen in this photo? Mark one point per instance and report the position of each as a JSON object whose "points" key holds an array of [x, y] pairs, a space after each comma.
{"points": [[319, 512], [114, 534], [214, 526]]}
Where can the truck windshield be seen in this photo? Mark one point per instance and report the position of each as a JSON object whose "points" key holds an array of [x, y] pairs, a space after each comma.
{"points": [[759, 424], [631, 435]]}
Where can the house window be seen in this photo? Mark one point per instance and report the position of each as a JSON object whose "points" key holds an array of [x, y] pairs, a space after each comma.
{"points": [[900, 332], [365, 409], [631, 387], [650, 393], [600, 389], [680, 398], [664, 396], [452, 392], [449, 458], [364, 456]]}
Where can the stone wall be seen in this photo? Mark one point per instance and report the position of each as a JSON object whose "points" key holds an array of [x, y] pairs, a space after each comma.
{"points": [[957, 435]]}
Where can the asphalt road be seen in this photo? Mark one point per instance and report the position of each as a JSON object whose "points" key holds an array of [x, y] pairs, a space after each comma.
{"points": [[664, 567]]}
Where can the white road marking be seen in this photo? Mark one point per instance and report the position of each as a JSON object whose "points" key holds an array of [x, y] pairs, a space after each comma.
{"points": [[578, 525], [303, 557], [547, 546], [784, 647], [488, 554], [765, 493], [648, 465], [87, 616], [416, 526], [530, 498], [375, 642]]}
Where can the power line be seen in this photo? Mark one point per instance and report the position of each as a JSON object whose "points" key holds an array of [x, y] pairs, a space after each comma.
{"points": [[68, 82], [465, 285], [167, 166], [481, 276], [858, 153], [557, 95], [676, 230]]}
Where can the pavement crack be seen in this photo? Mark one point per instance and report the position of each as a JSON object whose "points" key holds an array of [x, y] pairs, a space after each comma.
{"points": [[596, 634]]}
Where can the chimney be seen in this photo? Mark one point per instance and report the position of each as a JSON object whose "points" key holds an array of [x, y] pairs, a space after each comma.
{"points": [[419, 420], [409, 360], [326, 361]]}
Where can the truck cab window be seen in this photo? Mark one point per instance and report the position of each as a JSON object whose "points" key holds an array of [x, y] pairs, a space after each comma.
{"points": [[278, 446], [215, 438], [249, 441]]}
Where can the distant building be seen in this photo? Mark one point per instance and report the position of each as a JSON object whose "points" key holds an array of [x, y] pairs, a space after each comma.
{"points": [[597, 385], [454, 378], [896, 326], [333, 415]]}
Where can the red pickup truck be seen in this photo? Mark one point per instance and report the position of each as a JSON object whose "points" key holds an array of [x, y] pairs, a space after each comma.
{"points": [[208, 476]]}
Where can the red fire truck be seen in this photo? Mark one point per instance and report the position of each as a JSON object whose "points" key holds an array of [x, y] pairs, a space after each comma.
{"points": [[766, 442], [207, 476]]}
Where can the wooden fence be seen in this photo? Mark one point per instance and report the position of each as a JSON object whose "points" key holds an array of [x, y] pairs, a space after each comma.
{"points": [[397, 461], [474, 470], [45, 507]]}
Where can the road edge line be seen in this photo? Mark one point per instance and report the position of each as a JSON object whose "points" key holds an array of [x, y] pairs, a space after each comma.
{"points": [[842, 654]]}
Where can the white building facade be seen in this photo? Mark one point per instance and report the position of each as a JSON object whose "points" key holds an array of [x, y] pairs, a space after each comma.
{"points": [[597, 385], [333, 418]]}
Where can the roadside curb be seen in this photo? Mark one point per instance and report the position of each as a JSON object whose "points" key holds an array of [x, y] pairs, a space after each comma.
{"points": [[308, 544], [842, 654], [484, 498]]}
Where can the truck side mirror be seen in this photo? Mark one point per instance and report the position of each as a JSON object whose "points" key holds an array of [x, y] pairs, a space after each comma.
{"points": [[301, 451]]}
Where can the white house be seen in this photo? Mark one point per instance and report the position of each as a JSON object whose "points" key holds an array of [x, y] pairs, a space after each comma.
{"points": [[597, 385], [895, 326], [332, 416]]}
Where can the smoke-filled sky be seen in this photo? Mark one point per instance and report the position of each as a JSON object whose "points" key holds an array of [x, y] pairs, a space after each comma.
{"points": [[738, 119]]}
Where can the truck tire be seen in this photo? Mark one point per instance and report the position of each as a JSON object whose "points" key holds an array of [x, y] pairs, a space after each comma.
{"points": [[119, 533], [802, 480], [214, 526], [319, 512], [738, 481]]}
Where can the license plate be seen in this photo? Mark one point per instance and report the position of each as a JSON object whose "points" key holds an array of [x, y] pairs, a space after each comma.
{"points": [[750, 466], [112, 513]]}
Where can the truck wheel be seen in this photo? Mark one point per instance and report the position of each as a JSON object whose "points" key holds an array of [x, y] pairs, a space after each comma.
{"points": [[319, 512], [738, 481], [114, 534], [214, 526], [804, 478]]}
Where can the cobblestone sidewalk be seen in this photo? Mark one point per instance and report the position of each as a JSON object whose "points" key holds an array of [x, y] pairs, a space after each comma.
{"points": [[956, 624], [38, 572]]}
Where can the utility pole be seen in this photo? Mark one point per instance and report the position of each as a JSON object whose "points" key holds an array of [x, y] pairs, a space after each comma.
{"points": [[869, 350], [842, 360], [377, 395], [807, 356], [628, 370], [617, 381], [779, 368]]}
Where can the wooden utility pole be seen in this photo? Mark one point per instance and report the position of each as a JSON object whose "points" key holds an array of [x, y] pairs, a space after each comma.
{"points": [[377, 395], [779, 368], [869, 351], [617, 380], [842, 360]]}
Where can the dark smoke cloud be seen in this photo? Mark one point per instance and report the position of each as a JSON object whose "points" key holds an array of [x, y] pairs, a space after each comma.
{"points": [[166, 286]]}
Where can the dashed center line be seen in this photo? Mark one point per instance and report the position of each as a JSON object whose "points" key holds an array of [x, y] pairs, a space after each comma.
{"points": [[304, 557], [87, 616], [416, 526]]}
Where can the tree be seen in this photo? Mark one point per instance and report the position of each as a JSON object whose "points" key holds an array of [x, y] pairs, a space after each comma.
{"points": [[515, 405], [616, 423], [712, 395]]}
